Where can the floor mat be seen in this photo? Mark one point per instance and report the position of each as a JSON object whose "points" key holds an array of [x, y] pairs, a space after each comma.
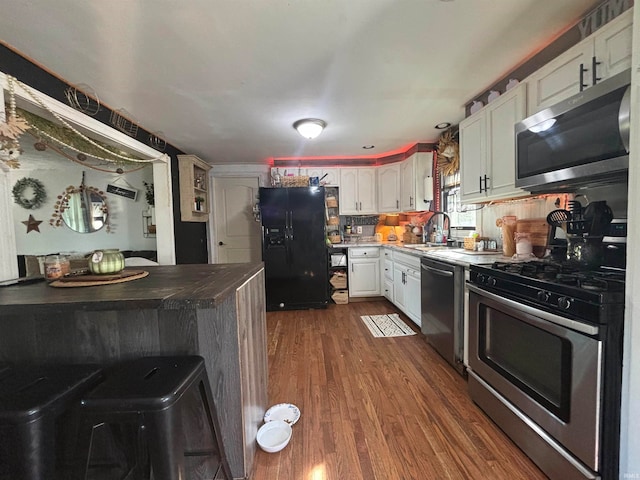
{"points": [[388, 325]]}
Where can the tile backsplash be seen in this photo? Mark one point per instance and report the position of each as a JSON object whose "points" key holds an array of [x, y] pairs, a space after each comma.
{"points": [[539, 207], [530, 208]]}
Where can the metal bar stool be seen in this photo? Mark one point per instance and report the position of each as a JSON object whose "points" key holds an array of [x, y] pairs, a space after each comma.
{"points": [[32, 400], [169, 403]]}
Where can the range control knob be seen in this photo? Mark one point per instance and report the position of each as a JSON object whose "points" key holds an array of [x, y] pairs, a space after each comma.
{"points": [[565, 302], [544, 296], [492, 281], [481, 278]]}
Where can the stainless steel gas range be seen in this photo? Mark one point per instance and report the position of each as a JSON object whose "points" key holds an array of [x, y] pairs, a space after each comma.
{"points": [[545, 361]]}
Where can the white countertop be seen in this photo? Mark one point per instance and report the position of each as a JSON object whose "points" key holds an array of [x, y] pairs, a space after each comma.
{"points": [[457, 256]]}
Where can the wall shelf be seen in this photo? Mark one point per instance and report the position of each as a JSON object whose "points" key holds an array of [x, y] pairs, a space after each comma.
{"points": [[194, 184], [148, 228]]}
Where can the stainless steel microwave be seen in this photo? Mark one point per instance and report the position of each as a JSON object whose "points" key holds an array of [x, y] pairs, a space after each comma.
{"points": [[581, 141]]}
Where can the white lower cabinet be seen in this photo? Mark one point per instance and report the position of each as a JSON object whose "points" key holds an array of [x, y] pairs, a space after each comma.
{"points": [[412, 296], [387, 274], [364, 271], [406, 285]]}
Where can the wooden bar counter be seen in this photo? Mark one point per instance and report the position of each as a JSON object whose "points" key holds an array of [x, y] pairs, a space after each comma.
{"points": [[216, 311]]}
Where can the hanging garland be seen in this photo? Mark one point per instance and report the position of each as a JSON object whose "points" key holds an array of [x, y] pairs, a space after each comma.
{"points": [[66, 138], [10, 130], [449, 152], [39, 193], [110, 152]]}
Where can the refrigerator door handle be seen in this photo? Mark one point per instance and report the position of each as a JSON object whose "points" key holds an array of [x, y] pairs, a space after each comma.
{"points": [[291, 224], [288, 235]]}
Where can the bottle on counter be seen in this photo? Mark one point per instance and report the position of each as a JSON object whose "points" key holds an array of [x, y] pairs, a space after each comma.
{"points": [[432, 236], [56, 266]]}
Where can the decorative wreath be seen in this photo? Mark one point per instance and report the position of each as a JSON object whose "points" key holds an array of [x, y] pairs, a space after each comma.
{"points": [[449, 152], [39, 193]]}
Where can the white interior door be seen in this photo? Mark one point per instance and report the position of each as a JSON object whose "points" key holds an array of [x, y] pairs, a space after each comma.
{"points": [[237, 234]]}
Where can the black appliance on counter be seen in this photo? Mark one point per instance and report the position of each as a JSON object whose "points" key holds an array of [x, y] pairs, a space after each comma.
{"points": [[583, 140], [545, 360], [293, 247]]}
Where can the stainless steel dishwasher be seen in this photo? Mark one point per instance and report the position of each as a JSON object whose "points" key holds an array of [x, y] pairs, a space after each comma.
{"points": [[442, 298]]}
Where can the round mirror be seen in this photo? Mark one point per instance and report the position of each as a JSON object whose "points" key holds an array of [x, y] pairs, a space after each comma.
{"points": [[85, 211]]}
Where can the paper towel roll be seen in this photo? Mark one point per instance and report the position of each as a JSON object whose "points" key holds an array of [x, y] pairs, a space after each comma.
{"points": [[428, 189]]}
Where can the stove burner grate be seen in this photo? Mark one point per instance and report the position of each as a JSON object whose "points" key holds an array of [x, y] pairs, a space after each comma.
{"points": [[565, 274], [595, 284]]}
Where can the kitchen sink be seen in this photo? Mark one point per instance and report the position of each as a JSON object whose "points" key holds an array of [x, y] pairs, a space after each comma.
{"points": [[427, 247]]}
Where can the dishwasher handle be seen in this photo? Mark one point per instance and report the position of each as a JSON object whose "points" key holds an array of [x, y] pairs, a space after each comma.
{"points": [[437, 271]]}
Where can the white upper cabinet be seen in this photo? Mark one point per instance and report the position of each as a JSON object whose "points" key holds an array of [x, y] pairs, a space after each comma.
{"points": [[358, 191], [389, 188], [599, 56], [332, 178], [473, 156], [413, 172], [487, 149]]}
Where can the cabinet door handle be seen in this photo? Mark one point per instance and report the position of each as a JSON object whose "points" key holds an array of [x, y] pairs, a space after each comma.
{"points": [[360, 206], [397, 204], [483, 179], [582, 72], [411, 201], [356, 206], [594, 73]]}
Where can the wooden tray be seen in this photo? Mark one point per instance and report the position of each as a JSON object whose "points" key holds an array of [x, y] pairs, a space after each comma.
{"points": [[91, 280]]}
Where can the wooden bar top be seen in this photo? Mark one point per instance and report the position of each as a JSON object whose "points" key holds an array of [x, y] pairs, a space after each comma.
{"points": [[166, 287]]}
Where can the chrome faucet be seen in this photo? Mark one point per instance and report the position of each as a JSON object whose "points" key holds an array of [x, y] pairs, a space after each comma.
{"points": [[445, 220]]}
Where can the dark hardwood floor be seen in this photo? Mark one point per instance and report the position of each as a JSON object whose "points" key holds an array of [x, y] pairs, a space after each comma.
{"points": [[376, 408]]}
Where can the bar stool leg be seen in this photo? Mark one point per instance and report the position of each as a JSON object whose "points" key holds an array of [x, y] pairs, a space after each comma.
{"points": [[165, 444], [35, 454]]}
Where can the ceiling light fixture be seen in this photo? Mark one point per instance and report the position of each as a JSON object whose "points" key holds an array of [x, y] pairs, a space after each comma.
{"points": [[310, 127], [443, 125]]}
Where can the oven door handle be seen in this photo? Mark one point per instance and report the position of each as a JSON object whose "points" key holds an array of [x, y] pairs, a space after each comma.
{"points": [[555, 319]]}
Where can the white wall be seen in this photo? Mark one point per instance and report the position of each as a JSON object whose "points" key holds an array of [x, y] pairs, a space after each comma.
{"points": [[125, 215]]}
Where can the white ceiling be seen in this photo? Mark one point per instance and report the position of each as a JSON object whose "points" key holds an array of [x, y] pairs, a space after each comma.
{"points": [[226, 79]]}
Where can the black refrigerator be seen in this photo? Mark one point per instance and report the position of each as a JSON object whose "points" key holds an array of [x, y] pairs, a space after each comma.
{"points": [[294, 251]]}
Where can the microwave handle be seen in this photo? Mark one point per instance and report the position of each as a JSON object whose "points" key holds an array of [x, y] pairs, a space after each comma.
{"points": [[594, 71], [582, 72]]}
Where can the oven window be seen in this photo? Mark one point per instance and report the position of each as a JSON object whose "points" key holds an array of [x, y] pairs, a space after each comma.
{"points": [[534, 360]]}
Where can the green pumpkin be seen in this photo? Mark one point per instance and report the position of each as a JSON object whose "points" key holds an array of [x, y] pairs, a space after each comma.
{"points": [[106, 261]]}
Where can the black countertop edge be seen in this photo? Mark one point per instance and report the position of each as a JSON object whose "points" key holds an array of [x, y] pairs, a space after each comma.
{"points": [[166, 287]]}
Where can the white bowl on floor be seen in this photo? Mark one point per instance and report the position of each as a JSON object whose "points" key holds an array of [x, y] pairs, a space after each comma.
{"points": [[274, 436]]}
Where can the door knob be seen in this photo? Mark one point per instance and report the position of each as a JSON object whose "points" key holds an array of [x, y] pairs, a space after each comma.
{"points": [[220, 243]]}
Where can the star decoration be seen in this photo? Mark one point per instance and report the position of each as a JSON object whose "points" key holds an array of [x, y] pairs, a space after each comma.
{"points": [[32, 224]]}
